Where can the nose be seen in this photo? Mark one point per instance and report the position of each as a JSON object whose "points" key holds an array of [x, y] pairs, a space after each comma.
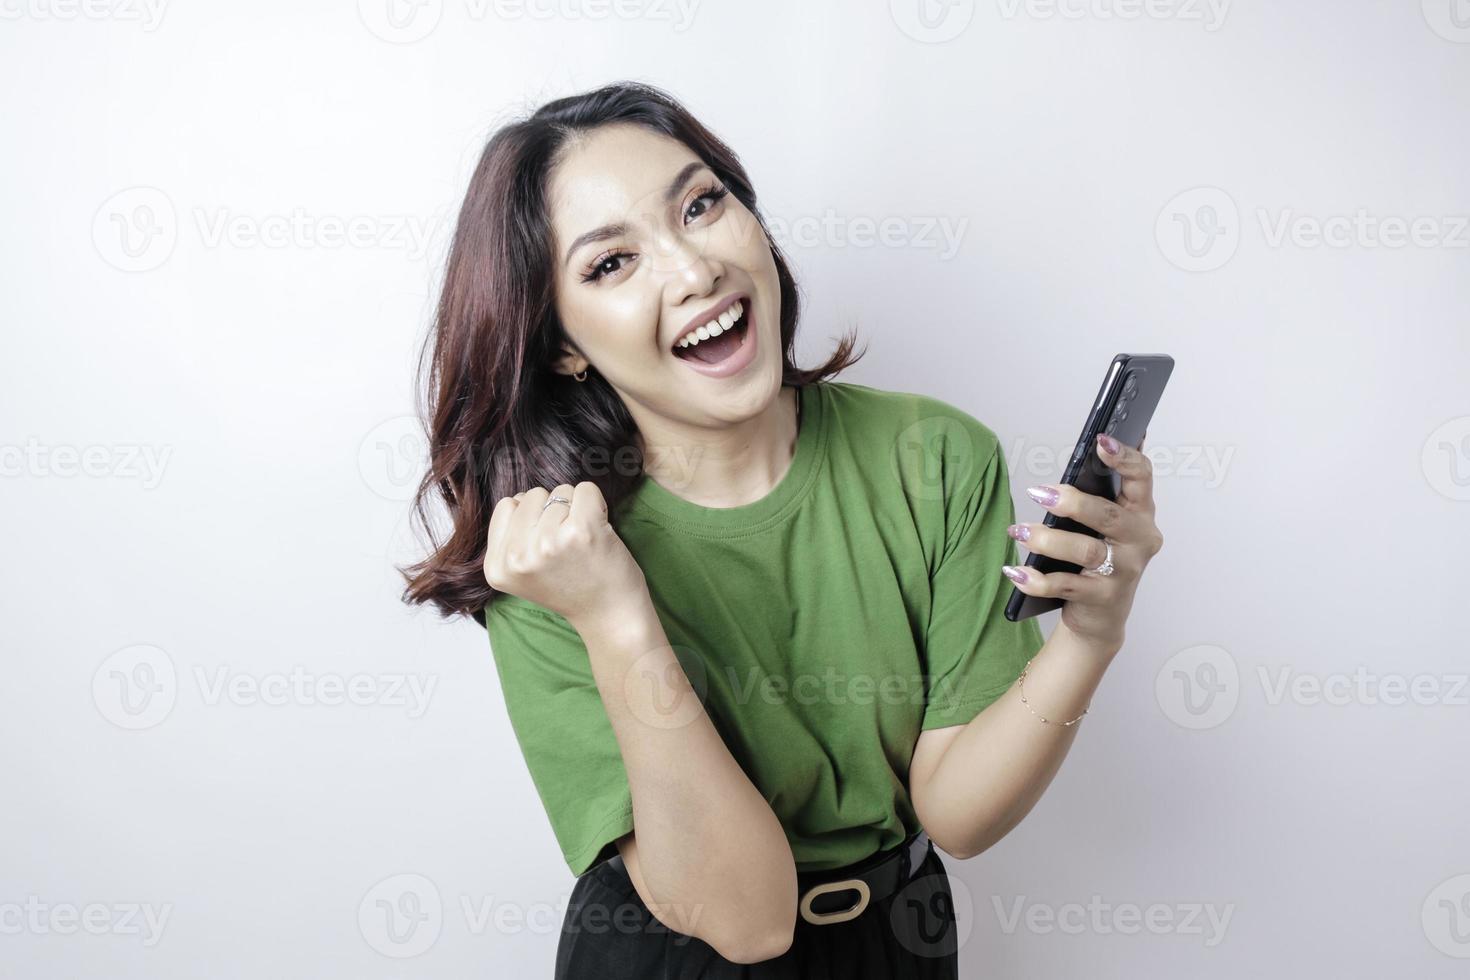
{"points": [[689, 268]]}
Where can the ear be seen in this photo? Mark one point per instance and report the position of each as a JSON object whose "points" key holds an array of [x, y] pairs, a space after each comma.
{"points": [[569, 362]]}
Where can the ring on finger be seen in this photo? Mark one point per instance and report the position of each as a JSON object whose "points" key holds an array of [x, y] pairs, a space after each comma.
{"points": [[1106, 568]]}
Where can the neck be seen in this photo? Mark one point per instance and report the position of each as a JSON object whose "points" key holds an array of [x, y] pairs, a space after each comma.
{"points": [[728, 467]]}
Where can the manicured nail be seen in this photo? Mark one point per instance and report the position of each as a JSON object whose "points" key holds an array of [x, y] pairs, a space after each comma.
{"points": [[1017, 575], [1045, 496], [1108, 443], [1020, 532]]}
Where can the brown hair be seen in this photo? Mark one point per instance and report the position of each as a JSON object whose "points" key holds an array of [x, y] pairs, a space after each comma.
{"points": [[499, 420]]}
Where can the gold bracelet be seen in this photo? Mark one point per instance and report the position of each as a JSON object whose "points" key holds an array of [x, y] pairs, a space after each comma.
{"points": [[1064, 724]]}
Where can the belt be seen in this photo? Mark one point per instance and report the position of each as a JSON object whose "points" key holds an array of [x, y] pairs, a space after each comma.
{"points": [[874, 879]]}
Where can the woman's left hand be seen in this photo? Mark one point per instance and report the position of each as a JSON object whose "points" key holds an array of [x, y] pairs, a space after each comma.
{"points": [[1096, 606]]}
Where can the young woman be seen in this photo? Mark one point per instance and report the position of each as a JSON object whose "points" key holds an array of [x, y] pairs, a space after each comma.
{"points": [[748, 622]]}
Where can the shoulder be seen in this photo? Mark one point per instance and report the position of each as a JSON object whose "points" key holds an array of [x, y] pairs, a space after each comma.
{"points": [[908, 424]]}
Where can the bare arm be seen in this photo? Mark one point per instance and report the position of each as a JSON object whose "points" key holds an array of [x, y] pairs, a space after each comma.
{"points": [[972, 784], [711, 859]]}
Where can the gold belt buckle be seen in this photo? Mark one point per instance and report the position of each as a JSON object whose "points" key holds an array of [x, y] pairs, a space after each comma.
{"points": [[827, 918]]}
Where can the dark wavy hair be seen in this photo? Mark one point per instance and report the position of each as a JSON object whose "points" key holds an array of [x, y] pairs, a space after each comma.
{"points": [[499, 420]]}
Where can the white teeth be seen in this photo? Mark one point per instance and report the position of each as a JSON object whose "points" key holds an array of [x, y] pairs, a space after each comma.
{"points": [[714, 328]]}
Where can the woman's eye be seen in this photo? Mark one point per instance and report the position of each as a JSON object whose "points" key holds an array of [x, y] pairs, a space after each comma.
{"points": [[714, 195], [600, 267]]}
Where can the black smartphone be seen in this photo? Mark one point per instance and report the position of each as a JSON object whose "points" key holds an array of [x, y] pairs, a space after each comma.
{"points": [[1124, 405]]}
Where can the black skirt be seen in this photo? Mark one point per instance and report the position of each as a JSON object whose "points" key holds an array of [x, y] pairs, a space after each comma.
{"points": [[609, 934]]}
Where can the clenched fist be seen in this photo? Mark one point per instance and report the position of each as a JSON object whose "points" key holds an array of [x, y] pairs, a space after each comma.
{"points": [[564, 557]]}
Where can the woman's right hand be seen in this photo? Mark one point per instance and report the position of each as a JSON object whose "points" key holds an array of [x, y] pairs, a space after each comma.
{"points": [[565, 558]]}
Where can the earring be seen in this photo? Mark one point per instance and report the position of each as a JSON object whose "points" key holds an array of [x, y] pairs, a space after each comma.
{"points": [[581, 375]]}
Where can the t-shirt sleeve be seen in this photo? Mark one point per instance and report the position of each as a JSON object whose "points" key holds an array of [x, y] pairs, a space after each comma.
{"points": [[564, 733], [973, 652]]}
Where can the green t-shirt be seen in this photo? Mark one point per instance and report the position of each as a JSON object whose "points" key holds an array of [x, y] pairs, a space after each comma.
{"points": [[825, 625]]}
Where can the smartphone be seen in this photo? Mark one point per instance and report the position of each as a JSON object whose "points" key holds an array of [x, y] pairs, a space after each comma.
{"points": [[1123, 408]]}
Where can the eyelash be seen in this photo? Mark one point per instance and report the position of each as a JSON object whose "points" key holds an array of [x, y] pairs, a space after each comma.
{"points": [[594, 272]]}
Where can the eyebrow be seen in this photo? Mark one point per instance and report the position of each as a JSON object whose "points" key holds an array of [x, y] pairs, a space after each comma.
{"points": [[618, 229]]}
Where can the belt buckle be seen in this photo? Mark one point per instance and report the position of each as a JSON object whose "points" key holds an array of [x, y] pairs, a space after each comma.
{"points": [[828, 918]]}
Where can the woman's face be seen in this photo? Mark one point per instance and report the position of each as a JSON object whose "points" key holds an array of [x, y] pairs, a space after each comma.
{"points": [[646, 248]]}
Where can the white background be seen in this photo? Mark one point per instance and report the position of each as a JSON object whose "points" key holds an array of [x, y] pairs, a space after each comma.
{"points": [[1313, 483]]}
